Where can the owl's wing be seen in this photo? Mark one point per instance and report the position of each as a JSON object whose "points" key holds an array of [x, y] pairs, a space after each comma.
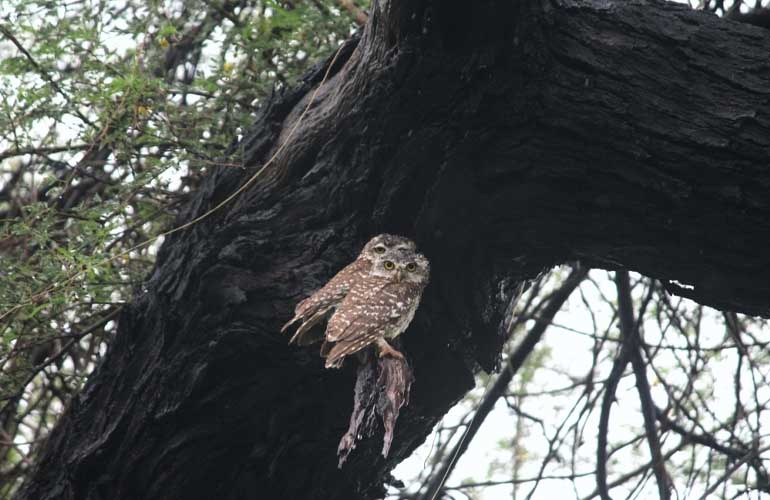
{"points": [[314, 308], [361, 319], [363, 305], [359, 335]]}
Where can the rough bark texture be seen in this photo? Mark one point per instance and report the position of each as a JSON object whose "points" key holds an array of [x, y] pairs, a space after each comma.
{"points": [[381, 390], [504, 137]]}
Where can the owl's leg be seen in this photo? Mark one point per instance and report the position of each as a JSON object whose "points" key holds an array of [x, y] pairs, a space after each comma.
{"points": [[385, 349]]}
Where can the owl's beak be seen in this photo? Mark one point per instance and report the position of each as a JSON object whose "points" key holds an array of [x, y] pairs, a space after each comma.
{"points": [[399, 275]]}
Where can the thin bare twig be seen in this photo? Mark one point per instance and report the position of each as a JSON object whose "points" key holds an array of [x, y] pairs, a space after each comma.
{"points": [[630, 331], [512, 365]]}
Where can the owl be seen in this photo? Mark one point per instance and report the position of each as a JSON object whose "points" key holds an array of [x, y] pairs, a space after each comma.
{"points": [[318, 306], [377, 308]]}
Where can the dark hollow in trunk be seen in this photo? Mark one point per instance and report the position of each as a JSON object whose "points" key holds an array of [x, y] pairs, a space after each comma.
{"points": [[504, 137]]}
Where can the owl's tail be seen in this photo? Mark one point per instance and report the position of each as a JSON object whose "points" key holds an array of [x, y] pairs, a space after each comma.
{"points": [[307, 337], [335, 353], [305, 334], [289, 323], [332, 355]]}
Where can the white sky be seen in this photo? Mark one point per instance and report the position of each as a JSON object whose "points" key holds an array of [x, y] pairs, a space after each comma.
{"points": [[571, 358]]}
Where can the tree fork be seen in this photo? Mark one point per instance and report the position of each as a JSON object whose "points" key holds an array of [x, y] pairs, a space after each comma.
{"points": [[504, 138]]}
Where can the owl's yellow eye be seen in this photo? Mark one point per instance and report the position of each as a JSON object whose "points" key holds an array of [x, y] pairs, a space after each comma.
{"points": [[388, 265], [379, 249], [411, 267]]}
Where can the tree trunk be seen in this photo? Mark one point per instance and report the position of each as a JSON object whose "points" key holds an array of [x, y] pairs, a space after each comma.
{"points": [[504, 137]]}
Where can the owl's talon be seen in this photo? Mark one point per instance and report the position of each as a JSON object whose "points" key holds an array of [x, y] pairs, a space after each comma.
{"points": [[385, 349]]}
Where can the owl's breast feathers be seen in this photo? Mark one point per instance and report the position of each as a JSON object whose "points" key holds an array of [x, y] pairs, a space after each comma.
{"points": [[382, 310]]}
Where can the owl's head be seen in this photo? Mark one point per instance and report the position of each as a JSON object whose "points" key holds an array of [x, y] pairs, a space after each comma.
{"points": [[386, 245], [403, 266]]}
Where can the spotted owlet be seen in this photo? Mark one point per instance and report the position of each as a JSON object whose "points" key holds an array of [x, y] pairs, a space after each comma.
{"points": [[378, 308], [316, 307], [374, 299]]}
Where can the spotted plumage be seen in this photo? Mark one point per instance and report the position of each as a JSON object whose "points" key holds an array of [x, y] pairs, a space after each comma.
{"points": [[373, 300], [321, 303], [377, 309]]}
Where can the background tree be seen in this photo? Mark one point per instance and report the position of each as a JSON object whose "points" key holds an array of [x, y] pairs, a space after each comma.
{"points": [[111, 114], [705, 391], [384, 143]]}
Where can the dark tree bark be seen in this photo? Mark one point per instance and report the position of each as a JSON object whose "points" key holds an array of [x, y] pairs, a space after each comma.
{"points": [[505, 137]]}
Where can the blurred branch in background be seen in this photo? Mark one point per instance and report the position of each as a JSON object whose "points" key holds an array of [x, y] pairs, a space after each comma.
{"points": [[514, 362], [687, 386], [756, 12]]}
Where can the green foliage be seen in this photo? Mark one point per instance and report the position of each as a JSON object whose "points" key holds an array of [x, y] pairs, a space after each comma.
{"points": [[111, 114]]}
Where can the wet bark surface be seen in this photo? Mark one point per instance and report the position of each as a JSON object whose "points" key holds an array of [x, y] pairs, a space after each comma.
{"points": [[503, 137]]}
